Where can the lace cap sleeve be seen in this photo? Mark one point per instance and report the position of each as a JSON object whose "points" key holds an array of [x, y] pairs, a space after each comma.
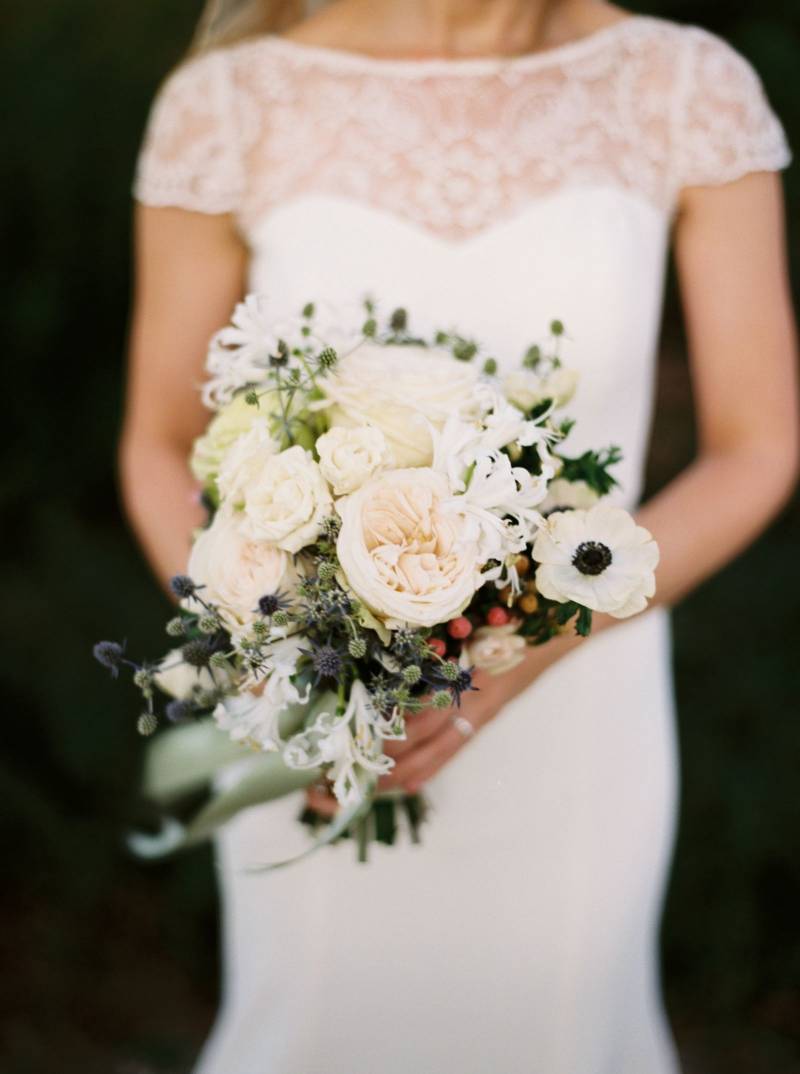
{"points": [[189, 158], [727, 127]]}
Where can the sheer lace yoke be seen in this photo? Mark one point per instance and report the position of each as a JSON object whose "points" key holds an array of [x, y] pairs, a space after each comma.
{"points": [[456, 147]]}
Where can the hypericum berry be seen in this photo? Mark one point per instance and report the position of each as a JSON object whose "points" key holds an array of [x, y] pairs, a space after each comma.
{"points": [[529, 603], [523, 565], [357, 648], [146, 724], [497, 616], [459, 628], [437, 645], [182, 586], [412, 674]]}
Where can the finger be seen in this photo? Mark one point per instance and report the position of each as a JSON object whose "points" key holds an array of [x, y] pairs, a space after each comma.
{"points": [[321, 801], [419, 728], [418, 766]]}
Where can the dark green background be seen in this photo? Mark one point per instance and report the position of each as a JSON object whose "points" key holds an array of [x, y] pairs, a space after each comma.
{"points": [[111, 967]]}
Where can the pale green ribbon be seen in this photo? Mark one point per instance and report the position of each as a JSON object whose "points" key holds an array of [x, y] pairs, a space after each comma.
{"points": [[186, 759]]}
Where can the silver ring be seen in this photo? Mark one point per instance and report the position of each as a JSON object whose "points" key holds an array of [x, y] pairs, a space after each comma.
{"points": [[463, 726]]}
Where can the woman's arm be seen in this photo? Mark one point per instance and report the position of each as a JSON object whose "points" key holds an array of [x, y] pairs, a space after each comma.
{"points": [[731, 258], [189, 273]]}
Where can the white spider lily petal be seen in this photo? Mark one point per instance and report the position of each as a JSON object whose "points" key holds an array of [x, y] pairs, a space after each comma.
{"points": [[250, 720], [350, 743]]}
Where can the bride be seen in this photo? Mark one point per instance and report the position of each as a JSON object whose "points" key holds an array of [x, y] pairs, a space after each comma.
{"points": [[491, 165]]}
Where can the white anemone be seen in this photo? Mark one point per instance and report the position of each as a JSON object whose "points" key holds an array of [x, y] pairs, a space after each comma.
{"points": [[598, 558]]}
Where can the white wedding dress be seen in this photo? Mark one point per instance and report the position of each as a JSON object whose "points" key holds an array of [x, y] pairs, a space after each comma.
{"points": [[493, 196]]}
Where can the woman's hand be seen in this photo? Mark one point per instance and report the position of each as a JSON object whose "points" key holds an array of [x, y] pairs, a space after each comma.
{"points": [[434, 736]]}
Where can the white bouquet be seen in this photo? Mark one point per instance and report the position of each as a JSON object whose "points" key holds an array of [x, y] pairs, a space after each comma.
{"points": [[386, 514]]}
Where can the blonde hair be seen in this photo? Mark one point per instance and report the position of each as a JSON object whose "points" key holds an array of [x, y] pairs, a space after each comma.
{"points": [[225, 21]]}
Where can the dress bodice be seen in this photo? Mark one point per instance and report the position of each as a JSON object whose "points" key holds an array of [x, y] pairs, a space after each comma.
{"points": [[490, 195]]}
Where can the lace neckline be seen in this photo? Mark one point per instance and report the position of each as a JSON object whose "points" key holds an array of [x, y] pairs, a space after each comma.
{"points": [[341, 59]]}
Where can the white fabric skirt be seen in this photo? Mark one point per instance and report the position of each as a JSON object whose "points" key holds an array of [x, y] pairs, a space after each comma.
{"points": [[519, 938]]}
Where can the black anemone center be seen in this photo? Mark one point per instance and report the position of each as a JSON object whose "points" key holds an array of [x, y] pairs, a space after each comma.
{"points": [[592, 557]]}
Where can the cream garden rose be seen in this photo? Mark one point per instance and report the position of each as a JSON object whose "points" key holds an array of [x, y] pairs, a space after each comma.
{"points": [[406, 550], [349, 457], [526, 388], [399, 389], [285, 500], [236, 570]]}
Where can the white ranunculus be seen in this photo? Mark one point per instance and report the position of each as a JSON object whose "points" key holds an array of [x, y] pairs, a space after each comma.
{"points": [[563, 495], [400, 389], [406, 549], [599, 558], [237, 570], [496, 649], [178, 679], [349, 457], [526, 388], [284, 500]]}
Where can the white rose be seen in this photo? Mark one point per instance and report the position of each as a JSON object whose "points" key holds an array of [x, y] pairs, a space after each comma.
{"points": [[209, 450], [244, 460], [237, 570], [285, 500], [178, 679], [406, 550], [496, 649], [349, 457], [400, 389], [526, 388]]}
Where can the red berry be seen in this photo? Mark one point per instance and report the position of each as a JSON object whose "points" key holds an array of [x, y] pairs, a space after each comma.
{"points": [[438, 646], [497, 616], [459, 628]]}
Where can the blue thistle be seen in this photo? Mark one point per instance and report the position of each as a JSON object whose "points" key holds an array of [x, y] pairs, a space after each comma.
{"points": [[178, 711], [273, 602], [182, 586], [197, 653], [110, 654]]}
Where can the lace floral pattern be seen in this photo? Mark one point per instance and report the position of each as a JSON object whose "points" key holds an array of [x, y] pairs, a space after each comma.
{"points": [[457, 146]]}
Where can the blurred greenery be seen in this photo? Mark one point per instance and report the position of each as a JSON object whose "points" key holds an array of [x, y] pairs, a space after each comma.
{"points": [[112, 967]]}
